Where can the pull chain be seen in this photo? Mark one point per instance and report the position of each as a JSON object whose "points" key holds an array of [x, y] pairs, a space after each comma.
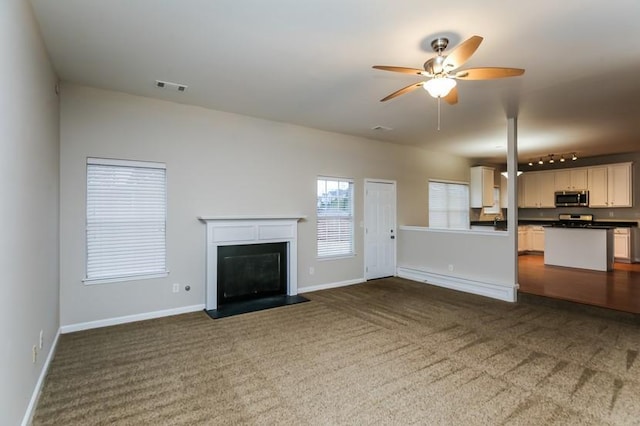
{"points": [[438, 112]]}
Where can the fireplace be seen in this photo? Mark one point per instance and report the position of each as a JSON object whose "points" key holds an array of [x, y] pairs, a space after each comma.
{"points": [[251, 271], [230, 237]]}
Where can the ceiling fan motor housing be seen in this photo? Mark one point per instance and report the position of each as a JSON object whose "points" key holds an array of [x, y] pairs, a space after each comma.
{"points": [[434, 66]]}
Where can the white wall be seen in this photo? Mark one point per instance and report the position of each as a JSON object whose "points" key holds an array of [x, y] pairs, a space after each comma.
{"points": [[218, 164], [479, 262], [29, 142]]}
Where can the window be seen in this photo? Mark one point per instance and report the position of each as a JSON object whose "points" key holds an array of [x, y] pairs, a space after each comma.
{"points": [[335, 217], [448, 205], [126, 220]]}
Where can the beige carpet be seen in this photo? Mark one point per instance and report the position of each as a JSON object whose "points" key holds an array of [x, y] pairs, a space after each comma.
{"points": [[387, 352]]}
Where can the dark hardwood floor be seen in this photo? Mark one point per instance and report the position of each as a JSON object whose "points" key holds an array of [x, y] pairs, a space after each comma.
{"points": [[618, 289]]}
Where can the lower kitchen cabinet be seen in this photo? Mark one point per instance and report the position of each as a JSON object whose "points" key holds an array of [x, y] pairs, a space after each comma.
{"points": [[537, 238], [523, 239], [530, 238], [622, 244]]}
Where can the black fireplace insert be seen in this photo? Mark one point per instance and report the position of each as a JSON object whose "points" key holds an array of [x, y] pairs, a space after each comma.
{"points": [[251, 271]]}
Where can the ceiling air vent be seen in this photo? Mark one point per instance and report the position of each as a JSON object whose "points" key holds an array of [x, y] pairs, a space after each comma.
{"points": [[171, 86]]}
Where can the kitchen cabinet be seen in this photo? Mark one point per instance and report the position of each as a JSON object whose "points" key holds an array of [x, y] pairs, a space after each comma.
{"points": [[523, 239], [481, 187], [619, 185], [622, 244], [495, 209], [572, 180], [530, 238], [538, 189], [504, 200], [537, 238], [610, 185]]}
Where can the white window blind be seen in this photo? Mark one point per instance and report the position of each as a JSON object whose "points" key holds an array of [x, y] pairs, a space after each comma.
{"points": [[448, 205], [126, 219], [335, 217]]}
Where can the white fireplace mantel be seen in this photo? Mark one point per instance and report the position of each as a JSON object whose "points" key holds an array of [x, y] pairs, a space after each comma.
{"points": [[235, 230], [253, 217]]}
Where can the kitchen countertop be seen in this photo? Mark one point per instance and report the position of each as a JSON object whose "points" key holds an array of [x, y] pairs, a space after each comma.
{"points": [[598, 223], [613, 223]]}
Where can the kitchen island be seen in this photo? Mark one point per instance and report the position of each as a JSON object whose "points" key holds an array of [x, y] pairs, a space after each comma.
{"points": [[585, 248]]}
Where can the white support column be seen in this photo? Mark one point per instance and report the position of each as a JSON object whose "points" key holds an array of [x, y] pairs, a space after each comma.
{"points": [[512, 192]]}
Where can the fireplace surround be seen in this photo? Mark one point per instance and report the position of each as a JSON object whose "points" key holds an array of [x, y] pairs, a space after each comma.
{"points": [[224, 231]]}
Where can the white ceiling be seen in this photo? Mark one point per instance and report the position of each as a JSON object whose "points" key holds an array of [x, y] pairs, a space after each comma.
{"points": [[308, 62]]}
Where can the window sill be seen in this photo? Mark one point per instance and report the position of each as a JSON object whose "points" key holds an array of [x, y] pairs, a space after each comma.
{"points": [[337, 257], [92, 281]]}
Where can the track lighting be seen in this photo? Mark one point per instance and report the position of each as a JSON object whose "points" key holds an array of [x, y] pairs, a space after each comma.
{"points": [[551, 159]]}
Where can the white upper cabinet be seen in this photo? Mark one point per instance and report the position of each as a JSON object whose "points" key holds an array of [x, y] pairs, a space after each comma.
{"points": [[610, 185], [571, 180], [598, 187], [538, 190], [481, 192], [504, 200], [619, 185]]}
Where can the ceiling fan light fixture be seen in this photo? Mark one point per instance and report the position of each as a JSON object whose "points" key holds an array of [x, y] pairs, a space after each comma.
{"points": [[439, 87]]}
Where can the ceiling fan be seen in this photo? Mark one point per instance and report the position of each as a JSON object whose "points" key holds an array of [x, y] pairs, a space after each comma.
{"points": [[441, 71]]}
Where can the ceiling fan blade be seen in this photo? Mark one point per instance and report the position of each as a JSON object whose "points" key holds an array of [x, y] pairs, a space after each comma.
{"points": [[488, 73], [403, 70], [452, 97], [462, 53], [402, 91]]}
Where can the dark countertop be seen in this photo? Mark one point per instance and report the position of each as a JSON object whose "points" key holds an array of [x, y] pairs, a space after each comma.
{"points": [[598, 224], [607, 223]]}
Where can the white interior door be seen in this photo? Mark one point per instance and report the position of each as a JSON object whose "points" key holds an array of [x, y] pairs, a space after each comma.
{"points": [[379, 228]]}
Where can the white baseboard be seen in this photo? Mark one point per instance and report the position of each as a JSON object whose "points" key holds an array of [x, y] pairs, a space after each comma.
{"points": [[330, 285], [129, 318], [492, 290], [35, 396]]}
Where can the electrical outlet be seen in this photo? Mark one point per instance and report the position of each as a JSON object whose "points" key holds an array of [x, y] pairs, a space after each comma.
{"points": [[34, 352], [312, 270], [41, 340], [176, 287], [450, 268], [610, 214]]}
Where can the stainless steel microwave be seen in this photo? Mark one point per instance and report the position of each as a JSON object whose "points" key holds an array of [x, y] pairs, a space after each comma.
{"points": [[572, 198]]}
